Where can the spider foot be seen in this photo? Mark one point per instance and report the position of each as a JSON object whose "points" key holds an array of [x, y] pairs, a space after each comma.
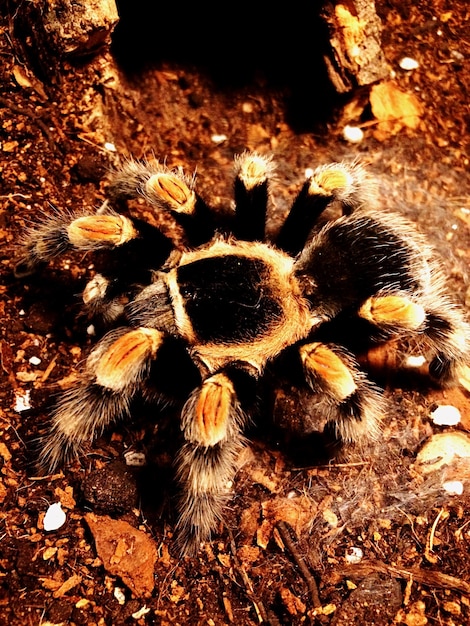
{"points": [[99, 304], [83, 412], [208, 414]]}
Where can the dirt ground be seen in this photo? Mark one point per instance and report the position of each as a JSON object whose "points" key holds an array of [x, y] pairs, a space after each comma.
{"points": [[371, 536]]}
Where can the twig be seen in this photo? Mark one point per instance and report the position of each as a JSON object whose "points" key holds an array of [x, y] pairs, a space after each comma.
{"points": [[300, 562], [425, 577], [218, 569], [262, 613], [430, 545], [49, 369]]}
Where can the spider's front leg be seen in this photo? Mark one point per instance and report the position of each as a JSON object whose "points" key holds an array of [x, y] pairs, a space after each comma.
{"points": [[251, 195], [113, 372], [354, 404], [213, 419], [169, 191], [137, 248], [344, 183]]}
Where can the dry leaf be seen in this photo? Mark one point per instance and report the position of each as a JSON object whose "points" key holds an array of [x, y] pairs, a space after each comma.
{"points": [[444, 449], [394, 109], [297, 512], [5, 452]]}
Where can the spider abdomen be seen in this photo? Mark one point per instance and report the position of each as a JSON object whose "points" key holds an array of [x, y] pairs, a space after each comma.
{"points": [[362, 254]]}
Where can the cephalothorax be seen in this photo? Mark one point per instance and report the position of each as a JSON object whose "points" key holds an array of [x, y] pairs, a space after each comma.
{"points": [[230, 302]]}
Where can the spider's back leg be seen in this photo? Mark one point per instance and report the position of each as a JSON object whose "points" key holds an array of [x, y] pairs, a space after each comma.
{"points": [[435, 321], [212, 422], [113, 372], [354, 406], [374, 272]]}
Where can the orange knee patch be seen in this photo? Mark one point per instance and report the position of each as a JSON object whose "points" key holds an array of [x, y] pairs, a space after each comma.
{"points": [[89, 230], [213, 409], [122, 363], [253, 170], [172, 191], [319, 360], [328, 180], [393, 310]]}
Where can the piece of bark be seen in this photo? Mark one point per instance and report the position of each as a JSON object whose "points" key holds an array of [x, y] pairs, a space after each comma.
{"points": [[125, 552], [68, 28], [354, 57]]}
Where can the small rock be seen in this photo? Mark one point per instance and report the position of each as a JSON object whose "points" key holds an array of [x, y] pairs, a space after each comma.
{"points": [[353, 134], [354, 555], [55, 517], [443, 449], [454, 487], [374, 603], [408, 64], [446, 415], [112, 489]]}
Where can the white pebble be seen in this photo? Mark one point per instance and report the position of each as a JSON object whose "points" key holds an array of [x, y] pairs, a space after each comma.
{"points": [[110, 147], [353, 134], [54, 517], [454, 487], [141, 612], [446, 415], [35, 360], [309, 172], [407, 63], [119, 595], [135, 459], [219, 138], [415, 361], [354, 555], [22, 401], [91, 330]]}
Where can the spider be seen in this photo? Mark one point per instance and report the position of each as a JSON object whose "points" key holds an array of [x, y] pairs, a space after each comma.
{"points": [[203, 321]]}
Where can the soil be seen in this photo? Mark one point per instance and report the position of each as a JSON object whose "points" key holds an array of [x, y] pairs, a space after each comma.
{"points": [[368, 536]]}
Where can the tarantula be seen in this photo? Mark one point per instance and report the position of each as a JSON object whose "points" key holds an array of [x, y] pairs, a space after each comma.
{"points": [[202, 322]]}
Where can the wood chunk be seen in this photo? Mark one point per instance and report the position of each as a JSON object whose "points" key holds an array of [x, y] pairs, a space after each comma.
{"points": [[69, 28], [355, 57]]}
